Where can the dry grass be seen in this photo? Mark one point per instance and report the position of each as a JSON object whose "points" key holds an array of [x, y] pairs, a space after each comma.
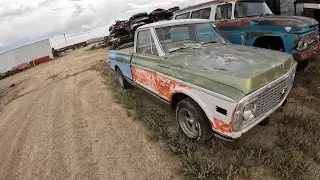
{"points": [[288, 148]]}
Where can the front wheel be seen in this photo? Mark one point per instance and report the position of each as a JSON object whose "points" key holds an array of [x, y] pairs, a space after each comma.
{"points": [[192, 120]]}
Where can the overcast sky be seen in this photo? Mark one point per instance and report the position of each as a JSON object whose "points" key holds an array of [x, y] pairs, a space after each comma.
{"points": [[26, 21]]}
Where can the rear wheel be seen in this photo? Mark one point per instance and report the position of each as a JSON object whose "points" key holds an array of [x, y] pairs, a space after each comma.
{"points": [[192, 120], [121, 81]]}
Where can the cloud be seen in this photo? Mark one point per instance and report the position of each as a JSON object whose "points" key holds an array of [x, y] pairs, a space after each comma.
{"points": [[24, 22]]}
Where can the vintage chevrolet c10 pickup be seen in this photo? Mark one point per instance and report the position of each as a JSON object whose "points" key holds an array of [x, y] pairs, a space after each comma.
{"points": [[215, 87]]}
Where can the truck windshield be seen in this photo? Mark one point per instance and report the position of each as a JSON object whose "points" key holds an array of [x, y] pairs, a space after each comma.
{"points": [[247, 9], [177, 37]]}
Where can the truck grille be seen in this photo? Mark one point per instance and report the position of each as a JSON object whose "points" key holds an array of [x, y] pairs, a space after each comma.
{"points": [[272, 97]]}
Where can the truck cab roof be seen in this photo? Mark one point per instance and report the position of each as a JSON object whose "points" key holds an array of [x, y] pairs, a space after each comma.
{"points": [[213, 2]]}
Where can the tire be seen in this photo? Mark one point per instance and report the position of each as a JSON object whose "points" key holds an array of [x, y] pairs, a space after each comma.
{"points": [[121, 81], [192, 121]]}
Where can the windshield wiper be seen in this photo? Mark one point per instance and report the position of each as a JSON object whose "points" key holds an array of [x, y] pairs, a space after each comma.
{"points": [[176, 49], [213, 42]]}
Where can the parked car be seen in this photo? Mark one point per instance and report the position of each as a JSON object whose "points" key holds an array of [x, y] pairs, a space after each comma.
{"points": [[116, 40], [119, 26], [173, 9], [159, 14], [251, 23], [215, 87], [138, 20]]}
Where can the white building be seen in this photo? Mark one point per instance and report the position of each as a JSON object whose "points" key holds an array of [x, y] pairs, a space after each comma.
{"points": [[38, 51]]}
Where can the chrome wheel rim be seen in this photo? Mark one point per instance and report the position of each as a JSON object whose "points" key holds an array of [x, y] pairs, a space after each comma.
{"points": [[189, 125]]}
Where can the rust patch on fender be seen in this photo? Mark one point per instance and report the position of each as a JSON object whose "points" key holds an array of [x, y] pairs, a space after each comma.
{"points": [[220, 126], [163, 86], [234, 23]]}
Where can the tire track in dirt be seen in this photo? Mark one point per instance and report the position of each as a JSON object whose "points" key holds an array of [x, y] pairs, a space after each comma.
{"points": [[60, 135], [22, 125], [87, 164]]}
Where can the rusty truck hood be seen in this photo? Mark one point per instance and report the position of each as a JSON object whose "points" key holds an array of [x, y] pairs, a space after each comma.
{"points": [[297, 23], [244, 68]]}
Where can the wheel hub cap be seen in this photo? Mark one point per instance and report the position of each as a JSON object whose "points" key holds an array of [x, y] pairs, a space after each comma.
{"points": [[188, 123]]}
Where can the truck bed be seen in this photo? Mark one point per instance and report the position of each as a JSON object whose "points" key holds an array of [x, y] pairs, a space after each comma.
{"points": [[121, 60]]}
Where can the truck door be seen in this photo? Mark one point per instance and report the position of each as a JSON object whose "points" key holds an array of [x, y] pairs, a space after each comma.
{"points": [[145, 62]]}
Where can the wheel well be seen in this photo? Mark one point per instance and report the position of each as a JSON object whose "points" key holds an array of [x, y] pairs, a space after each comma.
{"points": [[116, 68], [176, 98], [270, 42]]}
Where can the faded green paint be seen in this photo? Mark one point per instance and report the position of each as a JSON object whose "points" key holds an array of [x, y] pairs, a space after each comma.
{"points": [[230, 70]]}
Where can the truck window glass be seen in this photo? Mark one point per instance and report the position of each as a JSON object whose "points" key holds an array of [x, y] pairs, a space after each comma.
{"points": [[195, 15], [179, 33], [224, 11], [177, 37], [143, 44], [247, 9], [205, 13], [205, 33], [183, 16]]}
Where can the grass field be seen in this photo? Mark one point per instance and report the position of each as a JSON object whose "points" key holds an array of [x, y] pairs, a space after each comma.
{"points": [[287, 148]]}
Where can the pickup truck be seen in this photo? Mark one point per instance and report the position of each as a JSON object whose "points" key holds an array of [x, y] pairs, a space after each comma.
{"points": [[214, 86], [252, 23]]}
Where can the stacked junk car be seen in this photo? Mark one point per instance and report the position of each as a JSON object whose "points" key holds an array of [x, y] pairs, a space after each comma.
{"points": [[122, 32]]}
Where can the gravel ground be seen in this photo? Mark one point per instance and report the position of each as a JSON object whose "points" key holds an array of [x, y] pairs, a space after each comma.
{"points": [[58, 121]]}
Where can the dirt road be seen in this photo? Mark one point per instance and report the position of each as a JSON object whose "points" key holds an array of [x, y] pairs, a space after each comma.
{"points": [[58, 121]]}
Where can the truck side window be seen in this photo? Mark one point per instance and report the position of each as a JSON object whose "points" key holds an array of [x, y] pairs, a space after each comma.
{"points": [[223, 11], [205, 13], [143, 44], [195, 15], [183, 16]]}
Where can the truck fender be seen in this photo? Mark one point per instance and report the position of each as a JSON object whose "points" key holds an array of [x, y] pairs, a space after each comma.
{"points": [[208, 104]]}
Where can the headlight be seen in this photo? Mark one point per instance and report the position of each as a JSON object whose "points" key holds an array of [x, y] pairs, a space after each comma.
{"points": [[243, 113], [249, 111], [300, 45], [305, 45]]}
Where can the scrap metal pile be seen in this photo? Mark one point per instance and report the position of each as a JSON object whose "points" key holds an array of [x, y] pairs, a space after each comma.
{"points": [[122, 32]]}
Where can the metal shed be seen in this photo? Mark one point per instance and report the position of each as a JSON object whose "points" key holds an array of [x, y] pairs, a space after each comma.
{"points": [[36, 52]]}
